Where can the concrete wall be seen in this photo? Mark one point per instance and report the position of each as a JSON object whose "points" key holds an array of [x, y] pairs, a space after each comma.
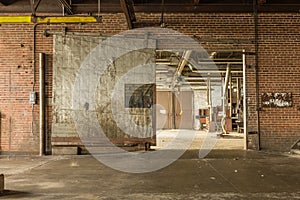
{"points": [[278, 69]]}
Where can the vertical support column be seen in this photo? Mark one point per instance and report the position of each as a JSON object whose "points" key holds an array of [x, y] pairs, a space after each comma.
{"points": [[238, 92], [225, 89], [230, 95], [209, 99], [245, 103], [42, 102]]}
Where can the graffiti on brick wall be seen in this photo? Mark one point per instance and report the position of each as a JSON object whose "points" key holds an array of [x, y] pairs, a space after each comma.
{"points": [[277, 100]]}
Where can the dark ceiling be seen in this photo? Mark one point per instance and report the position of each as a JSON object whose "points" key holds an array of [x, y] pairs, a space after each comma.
{"points": [[113, 6]]}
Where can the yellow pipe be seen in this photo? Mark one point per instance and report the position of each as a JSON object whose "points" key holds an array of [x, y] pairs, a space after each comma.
{"points": [[15, 19], [51, 20]]}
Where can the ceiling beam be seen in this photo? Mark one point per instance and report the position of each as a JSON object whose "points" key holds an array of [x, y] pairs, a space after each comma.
{"points": [[220, 8], [34, 5], [127, 7], [85, 7]]}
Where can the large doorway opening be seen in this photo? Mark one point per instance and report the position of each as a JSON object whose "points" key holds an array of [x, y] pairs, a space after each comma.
{"points": [[210, 96]]}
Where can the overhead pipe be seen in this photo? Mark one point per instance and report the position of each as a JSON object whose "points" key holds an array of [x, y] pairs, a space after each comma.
{"points": [[184, 61], [28, 19], [228, 71]]}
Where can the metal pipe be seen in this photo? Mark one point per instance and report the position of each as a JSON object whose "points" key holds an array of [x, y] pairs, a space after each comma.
{"points": [[28, 19], [10, 113], [42, 103], [255, 5], [173, 96], [228, 71], [238, 93], [182, 63], [230, 95], [238, 97], [245, 103], [209, 98]]}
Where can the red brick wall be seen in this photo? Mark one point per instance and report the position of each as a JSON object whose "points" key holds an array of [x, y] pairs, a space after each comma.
{"points": [[279, 69], [19, 122], [280, 72]]}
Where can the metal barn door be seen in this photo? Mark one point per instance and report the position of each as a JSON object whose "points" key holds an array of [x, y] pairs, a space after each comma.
{"points": [[180, 104]]}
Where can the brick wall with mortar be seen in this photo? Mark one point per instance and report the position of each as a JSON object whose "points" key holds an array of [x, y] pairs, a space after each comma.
{"points": [[279, 69]]}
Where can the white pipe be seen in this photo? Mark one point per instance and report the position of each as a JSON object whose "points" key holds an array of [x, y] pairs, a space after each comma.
{"points": [[226, 81], [245, 103]]}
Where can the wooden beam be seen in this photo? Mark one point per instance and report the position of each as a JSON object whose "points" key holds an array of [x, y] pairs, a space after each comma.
{"points": [[127, 7]]}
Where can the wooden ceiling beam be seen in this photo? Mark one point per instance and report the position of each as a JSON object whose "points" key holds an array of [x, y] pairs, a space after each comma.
{"points": [[85, 7], [127, 7]]}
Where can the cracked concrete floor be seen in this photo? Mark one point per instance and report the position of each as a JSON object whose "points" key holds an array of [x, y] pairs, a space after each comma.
{"points": [[223, 174]]}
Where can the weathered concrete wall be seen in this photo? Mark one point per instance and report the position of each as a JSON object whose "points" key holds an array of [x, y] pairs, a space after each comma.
{"points": [[113, 116]]}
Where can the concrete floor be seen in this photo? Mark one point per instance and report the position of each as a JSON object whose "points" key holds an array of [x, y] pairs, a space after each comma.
{"points": [[223, 174], [231, 141]]}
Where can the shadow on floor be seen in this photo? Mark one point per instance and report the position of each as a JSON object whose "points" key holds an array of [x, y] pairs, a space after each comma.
{"points": [[12, 194], [229, 154]]}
